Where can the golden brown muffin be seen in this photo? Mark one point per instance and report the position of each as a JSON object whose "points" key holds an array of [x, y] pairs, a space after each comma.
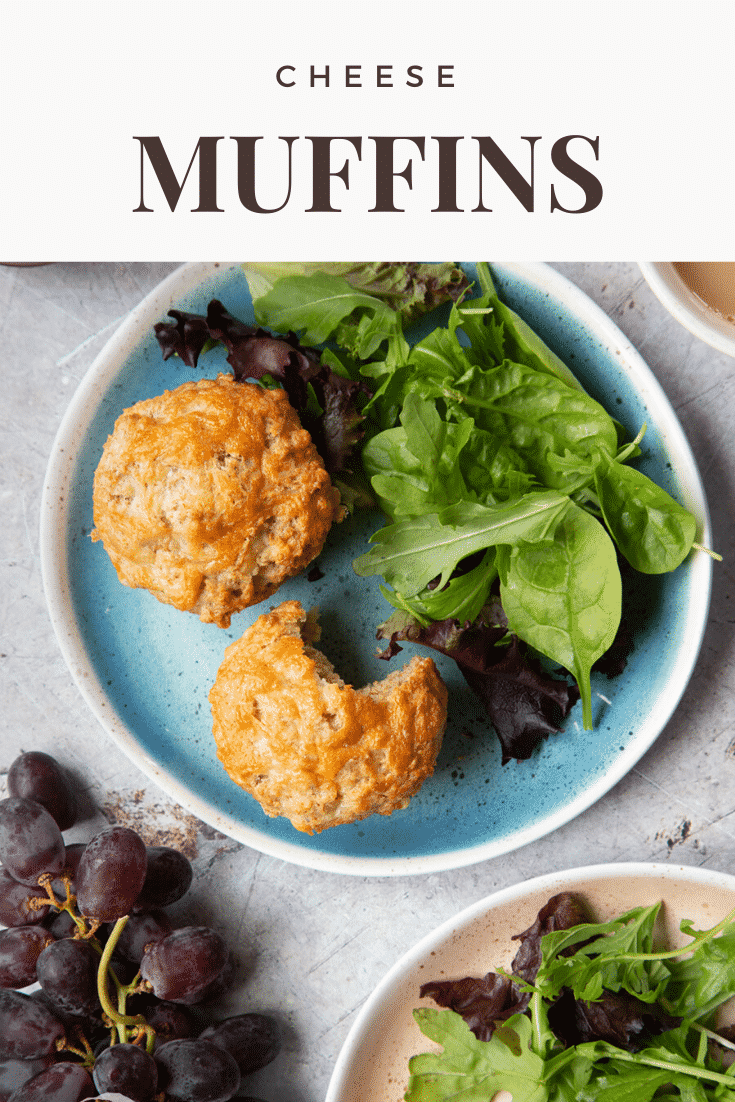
{"points": [[307, 746], [211, 495]]}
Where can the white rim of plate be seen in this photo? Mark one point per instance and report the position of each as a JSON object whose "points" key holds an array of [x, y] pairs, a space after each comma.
{"points": [[369, 1015], [54, 511]]}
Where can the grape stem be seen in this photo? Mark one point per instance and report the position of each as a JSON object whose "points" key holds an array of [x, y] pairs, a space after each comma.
{"points": [[86, 1052], [68, 905], [117, 1015]]}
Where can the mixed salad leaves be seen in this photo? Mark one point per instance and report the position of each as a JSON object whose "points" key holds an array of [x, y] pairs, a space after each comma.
{"points": [[589, 1012], [507, 488]]}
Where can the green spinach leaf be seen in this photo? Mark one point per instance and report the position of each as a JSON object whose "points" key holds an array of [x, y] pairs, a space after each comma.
{"points": [[557, 431], [652, 530], [415, 468], [563, 596]]}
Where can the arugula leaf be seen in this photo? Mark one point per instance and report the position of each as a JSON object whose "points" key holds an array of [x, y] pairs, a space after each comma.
{"points": [[623, 1082], [652, 530], [461, 599], [563, 595], [702, 983], [570, 1075], [520, 343], [474, 1071], [411, 552], [602, 959], [669, 1061]]}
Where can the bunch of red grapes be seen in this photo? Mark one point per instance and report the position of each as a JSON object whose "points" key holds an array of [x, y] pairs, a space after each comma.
{"points": [[116, 1007]]}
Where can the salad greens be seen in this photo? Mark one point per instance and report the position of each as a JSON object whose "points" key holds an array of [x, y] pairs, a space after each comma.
{"points": [[410, 289], [504, 484], [589, 1013], [479, 440]]}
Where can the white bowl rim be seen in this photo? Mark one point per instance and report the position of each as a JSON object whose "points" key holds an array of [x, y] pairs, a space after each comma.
{"points": [[58, 596], [369, 1014], [686, 307]]}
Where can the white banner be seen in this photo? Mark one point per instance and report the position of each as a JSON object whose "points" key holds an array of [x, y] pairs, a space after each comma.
{"points": [[337, 129]]}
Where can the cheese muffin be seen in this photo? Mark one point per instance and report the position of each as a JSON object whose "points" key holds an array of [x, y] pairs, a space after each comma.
{"points": [[311, 748], [211, 495]]}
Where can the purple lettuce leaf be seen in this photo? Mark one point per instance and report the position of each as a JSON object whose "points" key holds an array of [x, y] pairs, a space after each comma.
{"points": [[616, 1017], [492, 998], [185, 337], [560, 912], [325, 401], [523, 701], [481, 1002]]}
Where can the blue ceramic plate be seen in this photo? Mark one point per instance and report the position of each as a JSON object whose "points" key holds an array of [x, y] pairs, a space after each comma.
{"points": [[146, 669]]}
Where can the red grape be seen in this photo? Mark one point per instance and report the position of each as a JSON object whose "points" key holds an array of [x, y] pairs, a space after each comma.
{"points": [[141, 930], [37, 776], [182, 966], [20, 948], [126, 1069], [14, 1073], [111, 873], [62, 1082], [219, 985], [252, 1039], [28, 1029], [30, 840], [112, 876], [71, 863], [60, 925], [167, 879], [67, 973], [15, 902], [196, 1071], [171, 1021]]}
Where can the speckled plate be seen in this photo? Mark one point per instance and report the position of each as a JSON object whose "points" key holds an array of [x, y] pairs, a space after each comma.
{"points": [[146, 669], [373, 1063]]}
